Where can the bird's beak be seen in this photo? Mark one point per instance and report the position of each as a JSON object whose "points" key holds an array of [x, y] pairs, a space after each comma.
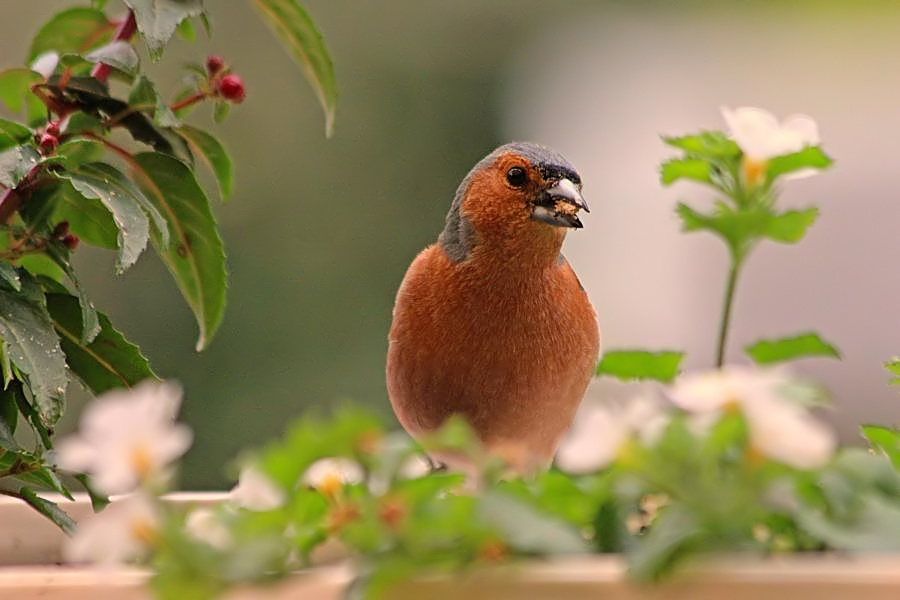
{"points": [[559, 204]]}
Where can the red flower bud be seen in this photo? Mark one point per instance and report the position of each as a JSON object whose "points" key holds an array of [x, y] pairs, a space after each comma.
{"points": [[52, 128], [48, 143], [61, 230], [214, 64], [70, 241], [231, 87]]}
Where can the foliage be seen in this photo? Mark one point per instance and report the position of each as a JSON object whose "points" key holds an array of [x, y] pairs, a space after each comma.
{"points": [[67, 178]]}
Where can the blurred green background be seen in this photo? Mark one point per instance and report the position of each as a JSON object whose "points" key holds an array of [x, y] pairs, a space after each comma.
{"points": [[320, 231]]}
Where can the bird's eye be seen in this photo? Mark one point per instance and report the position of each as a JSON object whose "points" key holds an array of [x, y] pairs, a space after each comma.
{"points": [[516, 176]]}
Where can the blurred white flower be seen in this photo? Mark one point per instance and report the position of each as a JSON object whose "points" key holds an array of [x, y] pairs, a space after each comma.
{"points": [[124, 531], [779, 428], [761, 137], [600, 431], [127, 437], [414, 467], [329, 475], [255, 491], [205, 525]]}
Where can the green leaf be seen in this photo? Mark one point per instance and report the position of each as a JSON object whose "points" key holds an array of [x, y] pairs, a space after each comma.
{"points": [[790, 227], [49, 510], [98, 501], [708, 144], [738, 228], [33, 347], [9, 274], [157, 20], [13, 134], [73, 30], [45, 479], [805, 345], [685, 168], [885, 439], [16, 163], [893, 366], [641, 364], [87, 219], [196, 257], [61, 256], [875, 527], [303, 41], [41, 430], [811, 157], [144, 96], [526, 529], [9, 417], [674, 532], [185, 31], [15, 92], [109, 361], [118, 55], [77, 151], [213, 153], [221, 110], [103, 182]]}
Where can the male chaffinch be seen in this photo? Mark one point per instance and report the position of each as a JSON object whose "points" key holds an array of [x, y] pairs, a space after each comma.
{"points": [[491, 322]]}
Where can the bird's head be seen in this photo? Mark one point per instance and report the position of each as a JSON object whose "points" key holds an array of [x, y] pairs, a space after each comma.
{"points": [[519, 194]]}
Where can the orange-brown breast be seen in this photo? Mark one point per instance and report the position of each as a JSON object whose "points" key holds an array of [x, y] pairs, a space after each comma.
{"points": [[508, 344]]}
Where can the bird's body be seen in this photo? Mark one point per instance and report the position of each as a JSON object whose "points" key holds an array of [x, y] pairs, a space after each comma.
{"points": [[491, 323]]}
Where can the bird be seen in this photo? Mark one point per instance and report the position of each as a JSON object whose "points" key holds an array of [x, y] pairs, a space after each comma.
{"points": [[491, 322]]}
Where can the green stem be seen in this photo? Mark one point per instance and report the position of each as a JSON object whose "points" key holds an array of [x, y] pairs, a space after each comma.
{"points": [[727, 303]]}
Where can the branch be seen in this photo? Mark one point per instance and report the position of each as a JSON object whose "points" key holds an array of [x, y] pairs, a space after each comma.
{"points": [[123, 34]]}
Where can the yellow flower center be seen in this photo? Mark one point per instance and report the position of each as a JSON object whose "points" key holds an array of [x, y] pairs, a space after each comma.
{"points": [[141, 460], [331, 484], [144, 531], [754, 170]]}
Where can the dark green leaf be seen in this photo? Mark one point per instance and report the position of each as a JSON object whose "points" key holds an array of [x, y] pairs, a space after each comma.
{"points": [[103, 182], [670, 537], [41, 430], [74, 30], [87, 219], [885, 439], [98, 501], [16, 163], [157, 20], [526, 529], [109, 361], [61, 255], [118, 55], [303, 41], [9, 417], [810, 157], [33, 347], [790, 227], [9, 274], [45, 479], [893, 366], [641, 364], [196, 257], [766, 352], [145, 98], [49, 510], [15, 92], [708, 144], [213, 153], [685, 168], [609, 528]]}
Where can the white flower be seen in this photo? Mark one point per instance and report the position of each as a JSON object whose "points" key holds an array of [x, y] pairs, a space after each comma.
{"points": [[126, 437], [205, 525], [328, 475], [599, 432], [124, 531], [779, 428], [761, 137], [255, 491]]}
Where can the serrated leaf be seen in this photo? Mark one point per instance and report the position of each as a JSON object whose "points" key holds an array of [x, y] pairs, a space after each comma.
{"points": [[103, 182], [685, 168], [109, 361], [196, 256], [157, 20], [790, 227], [526, 529], [144, 97], [304, 42], [118, 55], [49, 510], [15, 93], [885, 439], [213, 153], [805, 345], [16, 163], [89, 319], [9, 274], [72, 30], [33, 347], [737, 227], [811, 157], [709, 144], [641, 364]]}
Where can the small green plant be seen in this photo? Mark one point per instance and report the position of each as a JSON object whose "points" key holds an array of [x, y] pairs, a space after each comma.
{"points": [[68, 176]]}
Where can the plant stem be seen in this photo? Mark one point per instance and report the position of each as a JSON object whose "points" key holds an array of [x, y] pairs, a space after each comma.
{"points": [[727, 303], [185, 102], [126, 29]]}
